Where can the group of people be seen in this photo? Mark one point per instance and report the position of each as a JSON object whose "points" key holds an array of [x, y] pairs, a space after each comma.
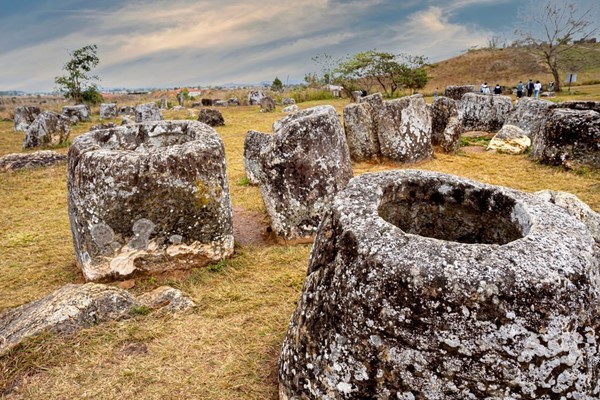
{"points": [[485, 89], [530, 88]]}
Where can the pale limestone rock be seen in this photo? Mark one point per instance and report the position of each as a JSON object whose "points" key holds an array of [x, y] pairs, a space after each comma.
{"points": [[510, 140]]}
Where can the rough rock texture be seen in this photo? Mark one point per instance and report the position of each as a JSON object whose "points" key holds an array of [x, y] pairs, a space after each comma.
{"points": [[78, 113], [404, 129], [570, 138], [24, 116], [163, 103], [37, 159], [442, 109], [530, 115], [360, 125], [127, 110], [108, 110], [233, 101], [103, 126], [254, 97], [480, 112], [577, 208], [220, 103], [143, 194], [450, 140], [457, 92], [288, 101], [267, 104], [127, 121], [301, 168], [49, 128], [580, 105], [356, 95], [291, 109], [375, 100], [74, 307], [254, 143], [147, 112], [427, 286], [510, 140], [211, 117]]}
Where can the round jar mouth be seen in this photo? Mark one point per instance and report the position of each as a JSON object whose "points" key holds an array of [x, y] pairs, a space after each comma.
{"points": [[455, 212]]}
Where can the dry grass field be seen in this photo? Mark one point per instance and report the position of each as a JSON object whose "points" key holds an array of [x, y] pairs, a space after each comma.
{"points": [[227, 348]]}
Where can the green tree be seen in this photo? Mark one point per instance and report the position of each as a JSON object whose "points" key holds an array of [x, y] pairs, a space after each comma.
{"points": [[550, 30], [77, 80], [277, 85]]}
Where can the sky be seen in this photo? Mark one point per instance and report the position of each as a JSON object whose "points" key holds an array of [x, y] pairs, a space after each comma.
{"points": [[177, 43]]}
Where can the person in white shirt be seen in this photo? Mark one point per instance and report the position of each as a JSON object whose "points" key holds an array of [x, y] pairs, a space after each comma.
{"points": [[537, 86]]}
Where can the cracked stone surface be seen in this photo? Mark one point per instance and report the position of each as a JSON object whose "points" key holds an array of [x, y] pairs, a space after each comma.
{"points": [[78, 113], [530, 115], [510, 139], [24, 116], [143, 194], [108, 110], [49, 128], [148, 112], [254, 143], [37, 159], [445, 126], [457, 92], [481, 112], [422, 285]]}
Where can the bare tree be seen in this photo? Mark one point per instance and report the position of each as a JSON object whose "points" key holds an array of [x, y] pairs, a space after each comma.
{"points": [[551, 28]]}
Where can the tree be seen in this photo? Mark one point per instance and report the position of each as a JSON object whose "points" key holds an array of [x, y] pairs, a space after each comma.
{"points": [[277, 85], [390, 71], [551, 30], [77, 81]]}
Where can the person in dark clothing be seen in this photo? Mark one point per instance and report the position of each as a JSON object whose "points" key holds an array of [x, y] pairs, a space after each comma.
{"points": [[529, 88], [519, 89], [497, 89]]}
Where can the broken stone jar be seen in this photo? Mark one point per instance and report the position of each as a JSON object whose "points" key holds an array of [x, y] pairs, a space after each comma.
{"points": [[428, 286], [149, 196]]}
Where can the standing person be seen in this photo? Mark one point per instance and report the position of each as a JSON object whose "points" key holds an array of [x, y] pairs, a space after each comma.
{"points": [[519, 89], [435, 93], [497, 89], [481, 87], [536, 89], [529, 88], [486, 88]]}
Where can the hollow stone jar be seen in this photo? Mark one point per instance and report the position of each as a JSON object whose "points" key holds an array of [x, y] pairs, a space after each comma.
{"points": [[428, 286], [148, 196]]}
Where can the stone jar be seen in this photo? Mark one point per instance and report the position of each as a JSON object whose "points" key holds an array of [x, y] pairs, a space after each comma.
{"points": [[428, 286], [148, 196]]}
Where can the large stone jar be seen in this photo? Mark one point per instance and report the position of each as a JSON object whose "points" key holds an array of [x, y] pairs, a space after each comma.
{"points": [[148, 196], [429, 286]]}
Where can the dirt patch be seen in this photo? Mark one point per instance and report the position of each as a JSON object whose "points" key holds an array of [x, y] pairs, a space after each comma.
{"points": [[473, 149], [250, 228], [478, 134]]}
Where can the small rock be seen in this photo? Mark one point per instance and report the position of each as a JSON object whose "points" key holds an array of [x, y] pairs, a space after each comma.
{"points": [[43, 158], [165, 299], [510, 140], [291, 109], [211, 117], [267, 104], [254, 97], [78, 113]]}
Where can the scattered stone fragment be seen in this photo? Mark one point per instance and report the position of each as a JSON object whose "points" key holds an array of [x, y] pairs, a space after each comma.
{"points": [[254, 143], [304, 164], [480, 112], [220, 103], [570, 138], [288, 101], [457, 92], [510, 140], [77, 113], [73, 307], [140, 195], [37, 159], [267, 104], [404, 130], [233, 101], [577, 208], [427, 286], [108, 110], [211, 117], [48, 129], [147, 112], [24, 116], [291, 109]]}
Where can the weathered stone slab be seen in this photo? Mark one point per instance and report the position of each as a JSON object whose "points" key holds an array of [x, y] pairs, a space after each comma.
{"points": [[442, 109], [254, 97], [457, 92], [77, 113], [427, 286], [24, 116], [74, 307], [301, 168], [480, 112], [254, 143], [360, 126], [570, 138], [530, 115], [450, 139], [140, 195], [108, 110], [48, 129], [510, 140], [37, 159], [148, 112], [404, 129], [211, 117]]}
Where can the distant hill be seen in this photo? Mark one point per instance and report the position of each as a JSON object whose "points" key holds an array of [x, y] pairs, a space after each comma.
{"points": [[506, 67]]}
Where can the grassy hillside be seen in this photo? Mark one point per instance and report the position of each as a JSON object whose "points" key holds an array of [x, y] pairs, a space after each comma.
{"points": [[508, 66]]}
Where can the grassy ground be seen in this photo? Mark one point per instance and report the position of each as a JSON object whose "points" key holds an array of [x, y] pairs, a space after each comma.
{"points": [[227, 348]]}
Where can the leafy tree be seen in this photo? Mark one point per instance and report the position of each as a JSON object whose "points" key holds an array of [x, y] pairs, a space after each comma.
{"points": [[277, 85], [550, 28], [77, 81], [390, 71]]}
